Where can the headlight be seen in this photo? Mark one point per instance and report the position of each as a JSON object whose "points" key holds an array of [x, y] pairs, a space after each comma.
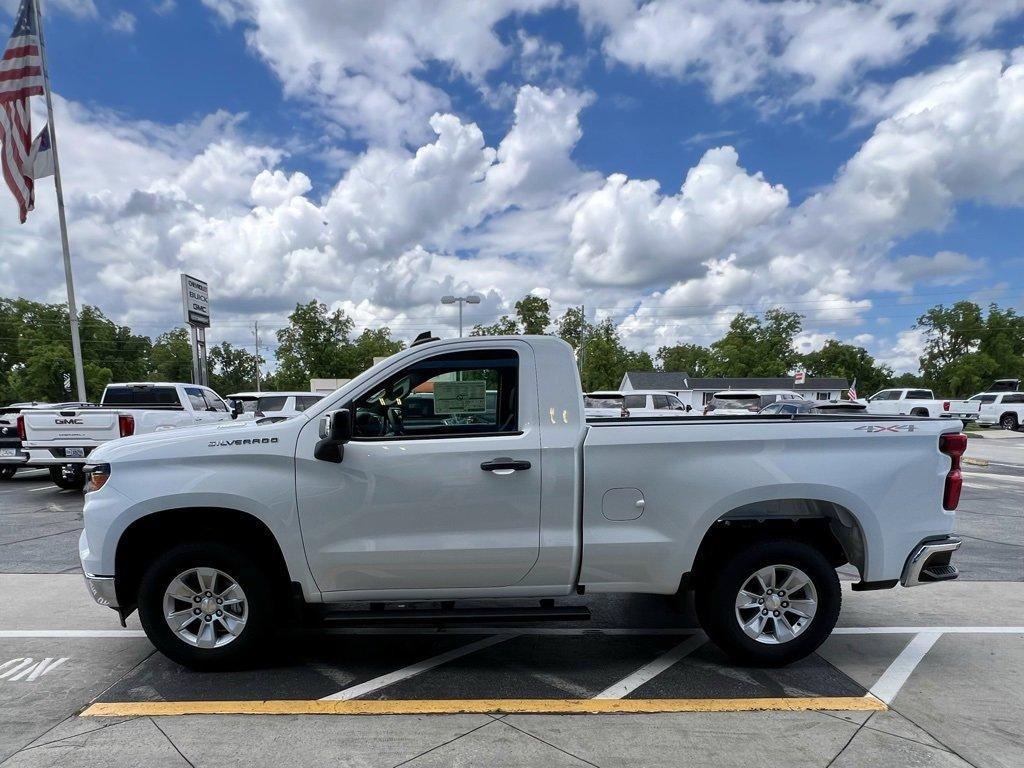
{"points": [[96, 476]]}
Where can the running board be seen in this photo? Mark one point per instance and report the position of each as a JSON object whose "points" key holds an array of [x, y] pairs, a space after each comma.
{"points": [[435, 616]]}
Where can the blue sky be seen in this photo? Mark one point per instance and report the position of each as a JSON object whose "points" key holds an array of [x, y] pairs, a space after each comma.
{"points": [[857, 162]]}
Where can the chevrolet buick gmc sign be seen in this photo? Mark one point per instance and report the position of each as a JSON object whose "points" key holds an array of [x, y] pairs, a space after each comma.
{"points": [[195, 298]]}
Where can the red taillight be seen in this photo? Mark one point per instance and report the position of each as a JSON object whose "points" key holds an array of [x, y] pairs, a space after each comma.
{"points": [[953, 445], [945, 405], [21, 429], [126, 424]]}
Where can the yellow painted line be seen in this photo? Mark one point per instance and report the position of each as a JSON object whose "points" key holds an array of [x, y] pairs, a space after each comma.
{"points": [[478, 706]]}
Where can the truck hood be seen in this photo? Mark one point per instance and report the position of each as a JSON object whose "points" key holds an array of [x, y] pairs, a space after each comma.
{"points": [[189, 441]]}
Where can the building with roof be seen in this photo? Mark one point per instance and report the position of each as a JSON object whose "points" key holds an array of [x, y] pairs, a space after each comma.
{"points": [[697, 391]]}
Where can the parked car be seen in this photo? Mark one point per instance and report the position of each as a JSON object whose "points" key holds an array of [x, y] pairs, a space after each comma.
{"points": [[633, 403], [213, 532], [817, 407], [61, 439], [1003, 408], [737, 402], [1005, 385], [920, 402], [12, 455], [257, 405]]}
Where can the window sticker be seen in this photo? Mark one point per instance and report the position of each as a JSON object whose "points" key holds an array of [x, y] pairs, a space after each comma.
{"points": [[460, 397]]}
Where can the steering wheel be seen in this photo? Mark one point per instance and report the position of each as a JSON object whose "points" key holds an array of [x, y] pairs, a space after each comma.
{"points": [[396, 425]]}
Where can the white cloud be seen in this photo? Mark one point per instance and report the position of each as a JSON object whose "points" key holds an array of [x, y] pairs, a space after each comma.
{"points": [[123, 21]]}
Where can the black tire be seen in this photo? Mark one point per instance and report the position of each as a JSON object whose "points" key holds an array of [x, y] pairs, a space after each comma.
{"points": [[259, 591], [1009, 421], [74, 483], [716, 602], [6, 473]]}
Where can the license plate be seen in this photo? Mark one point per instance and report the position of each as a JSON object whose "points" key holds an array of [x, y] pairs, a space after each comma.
{"points": [[74, 453], [8, 452]]}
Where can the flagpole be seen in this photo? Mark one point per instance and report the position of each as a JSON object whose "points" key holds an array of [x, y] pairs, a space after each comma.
{"points": [[76, 343]]}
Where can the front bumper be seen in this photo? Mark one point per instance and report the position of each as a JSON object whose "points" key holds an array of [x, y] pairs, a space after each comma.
{"points": [[102, 589], [930, 562]]}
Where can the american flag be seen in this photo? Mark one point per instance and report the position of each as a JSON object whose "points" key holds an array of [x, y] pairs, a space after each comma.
{"points": [[21, 76], [852, 393]]}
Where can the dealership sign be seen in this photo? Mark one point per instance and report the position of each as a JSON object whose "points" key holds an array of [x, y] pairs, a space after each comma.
{"points": [[195, 298]]}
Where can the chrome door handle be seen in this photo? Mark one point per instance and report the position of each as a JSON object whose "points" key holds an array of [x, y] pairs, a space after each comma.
{"points": [[503, 465]]}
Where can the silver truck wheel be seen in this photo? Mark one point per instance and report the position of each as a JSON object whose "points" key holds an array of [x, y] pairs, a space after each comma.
{"points": [[205, 607], [776, 604]]}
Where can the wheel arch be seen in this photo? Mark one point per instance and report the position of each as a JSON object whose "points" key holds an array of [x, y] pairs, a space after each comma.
{"points": [[831, 527], [148, 536]]}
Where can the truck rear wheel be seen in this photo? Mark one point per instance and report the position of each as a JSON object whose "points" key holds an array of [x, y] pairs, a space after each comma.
{"points": [[6, 473], [206, 606], [1009, 421], [74, 482], [770, 603]]}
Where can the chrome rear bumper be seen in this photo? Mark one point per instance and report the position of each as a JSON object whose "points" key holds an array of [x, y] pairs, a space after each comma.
{"points": [[930, 562]]}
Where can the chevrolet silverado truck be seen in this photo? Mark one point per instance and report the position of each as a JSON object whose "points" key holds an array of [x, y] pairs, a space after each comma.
{"points": [[62, 439], [359, 510], [920, 402]]}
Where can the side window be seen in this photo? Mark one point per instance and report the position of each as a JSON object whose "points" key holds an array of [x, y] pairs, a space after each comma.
{"points": [[822, 396], [462, 393], [302, 402], [636, 401], [885, 394], [986, 398], [675, 403], [214, 401], [919, 394], [773, 408], [661, 401], [275, 403], [1014, 399], [196, 399]]}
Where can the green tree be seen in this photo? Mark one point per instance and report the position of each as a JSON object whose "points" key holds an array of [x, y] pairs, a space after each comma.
{"points": [[232, 369], [534, 314], [171, 358], [315, 344], [686, 358], [846, 360], [506, 326], [603, 358], [758, 347], [373, 343], [965, 348], [572, 326]]}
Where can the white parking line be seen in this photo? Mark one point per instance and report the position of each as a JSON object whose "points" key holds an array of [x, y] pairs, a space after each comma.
{"points": [[649, 671], [412, 670], [994, 476], [42, 634], [903, 666]]}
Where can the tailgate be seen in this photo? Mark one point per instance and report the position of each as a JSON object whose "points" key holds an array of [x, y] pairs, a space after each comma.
{"points": [[79, 427]]}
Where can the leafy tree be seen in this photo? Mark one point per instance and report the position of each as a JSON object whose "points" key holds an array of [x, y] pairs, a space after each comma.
{"points": [[688, 358], [603, 358], [373, 343], [232, 369], [315, 344], [756, 347], [572, 326], [534, 313], [966, 349], [506, 326], [846, 360], [171, 358]]}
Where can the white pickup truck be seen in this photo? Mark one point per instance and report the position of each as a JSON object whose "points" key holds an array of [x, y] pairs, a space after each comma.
{"points": [[62, 439], [1005, 409], [920, 402], [215, 533]]}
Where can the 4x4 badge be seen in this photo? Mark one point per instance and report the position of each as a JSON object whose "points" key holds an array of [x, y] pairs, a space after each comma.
{"points": [[872, 428]]}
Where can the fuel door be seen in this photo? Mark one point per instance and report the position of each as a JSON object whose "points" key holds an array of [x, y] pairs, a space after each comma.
{"points": [[622, 503]]}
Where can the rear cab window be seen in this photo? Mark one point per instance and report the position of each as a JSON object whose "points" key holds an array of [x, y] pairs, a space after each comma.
{"points": [[140, 396], [271, 404]]}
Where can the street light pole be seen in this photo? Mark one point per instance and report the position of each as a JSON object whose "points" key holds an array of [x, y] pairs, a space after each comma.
{"points": [[460, 300]]}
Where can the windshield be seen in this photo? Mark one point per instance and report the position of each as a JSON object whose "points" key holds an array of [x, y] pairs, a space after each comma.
{"points": [[602, 401], [736, 402]]}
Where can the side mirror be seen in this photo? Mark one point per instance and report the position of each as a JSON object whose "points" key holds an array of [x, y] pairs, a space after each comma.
{"points": [[335, 430], [237, 409]]}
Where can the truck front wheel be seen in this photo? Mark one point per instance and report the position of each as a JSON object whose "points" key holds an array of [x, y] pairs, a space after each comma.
{"points": [[206, 606], [770, 603]]}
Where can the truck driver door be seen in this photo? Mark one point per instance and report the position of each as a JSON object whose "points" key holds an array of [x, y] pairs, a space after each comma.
{"points": [[439, 487]]}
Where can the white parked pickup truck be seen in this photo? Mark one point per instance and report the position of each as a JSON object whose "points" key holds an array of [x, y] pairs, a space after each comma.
{"points": [[214, 533], [920, 402], [62, 439], [1005, 409]]}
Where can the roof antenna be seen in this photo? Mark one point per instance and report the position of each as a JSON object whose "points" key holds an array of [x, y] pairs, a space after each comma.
{"points": [[424, 338]]}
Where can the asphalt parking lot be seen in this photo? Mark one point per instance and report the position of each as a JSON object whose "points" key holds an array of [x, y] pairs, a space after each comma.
{"points": [[930, 676]]}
